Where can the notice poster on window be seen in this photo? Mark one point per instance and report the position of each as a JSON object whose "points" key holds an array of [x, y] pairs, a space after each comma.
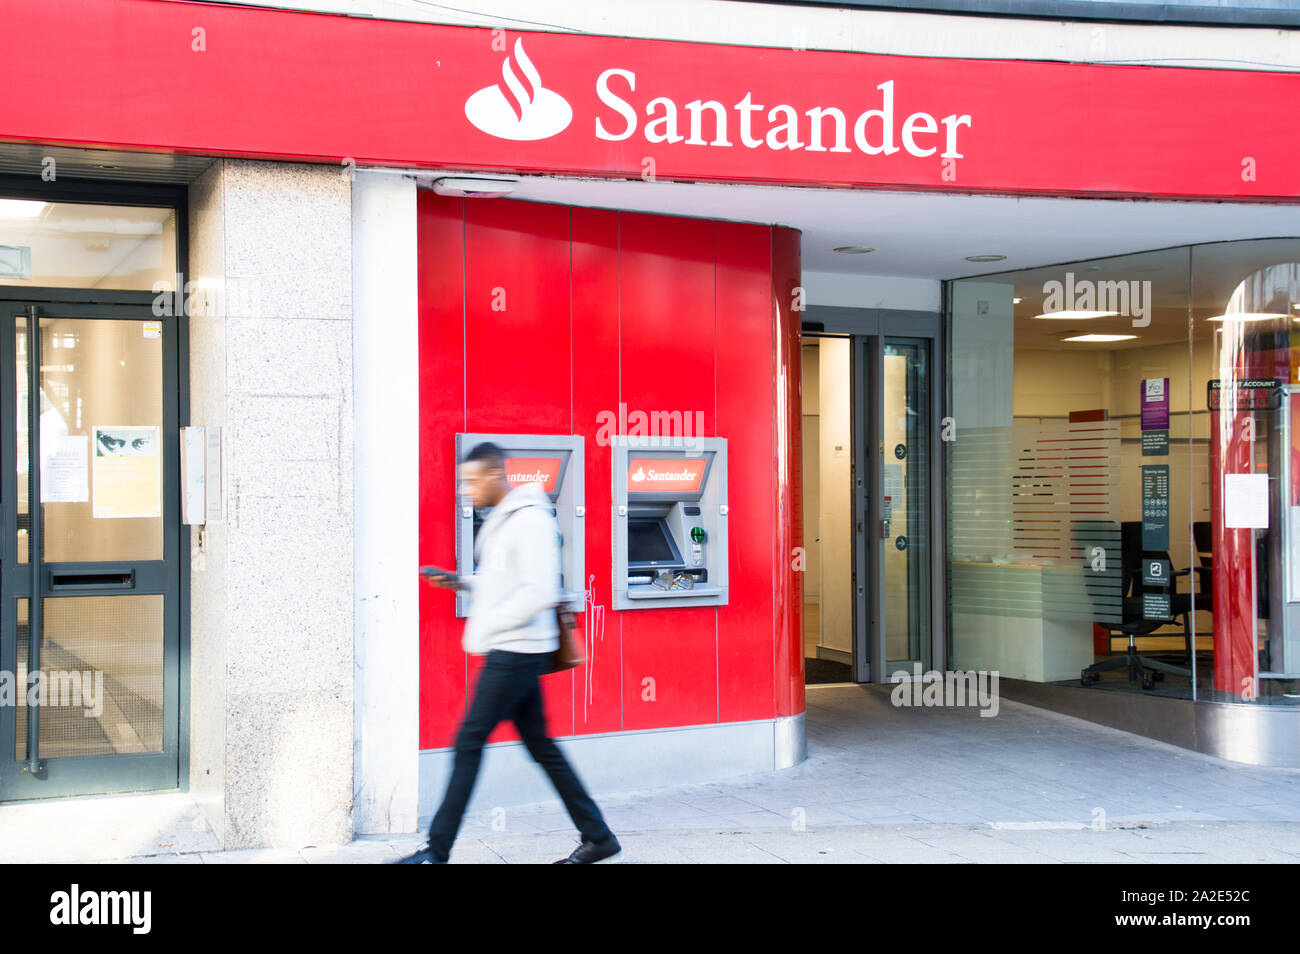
{"points": [[126, 476], [1155, 404], [65, 469], [1245, 501], [1155, 417], [1155, 507]]}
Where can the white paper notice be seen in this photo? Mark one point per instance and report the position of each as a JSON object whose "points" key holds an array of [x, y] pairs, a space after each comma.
{"points": [[1293, 558], [65, 470], [893, 480], [1245, 501]]}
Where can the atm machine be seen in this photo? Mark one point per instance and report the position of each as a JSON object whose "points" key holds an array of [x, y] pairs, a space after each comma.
{"points": [[555, 462], [670, 523]]}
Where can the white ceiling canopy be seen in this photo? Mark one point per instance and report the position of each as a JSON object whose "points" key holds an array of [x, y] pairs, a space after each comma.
{"points": [[930, 235]]}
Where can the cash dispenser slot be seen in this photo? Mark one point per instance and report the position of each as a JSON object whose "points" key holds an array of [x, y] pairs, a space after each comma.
{"points": [[655, 559]]}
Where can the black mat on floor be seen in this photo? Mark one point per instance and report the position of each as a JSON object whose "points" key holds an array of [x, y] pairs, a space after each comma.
{"points": [[825, 670]]}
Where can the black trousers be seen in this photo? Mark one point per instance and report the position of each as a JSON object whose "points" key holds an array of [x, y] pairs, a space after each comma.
{"points": [[508, 688]]}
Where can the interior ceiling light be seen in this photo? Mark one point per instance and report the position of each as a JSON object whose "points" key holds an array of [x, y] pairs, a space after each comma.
{"points": [[1249, 316], [1100, 339], [854, 249], [985, 258], [21, 208], [1081, 315], [1015, 301], [474, 188]]}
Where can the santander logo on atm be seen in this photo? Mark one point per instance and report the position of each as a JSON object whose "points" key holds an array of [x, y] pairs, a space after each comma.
{"points": [[665, 474], [865, 121], [522, 109]]}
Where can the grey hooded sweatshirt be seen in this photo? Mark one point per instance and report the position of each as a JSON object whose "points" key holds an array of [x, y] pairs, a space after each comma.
{"points": [[516, 581]]}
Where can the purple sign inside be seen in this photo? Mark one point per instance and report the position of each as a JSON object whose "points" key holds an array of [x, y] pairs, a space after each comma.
{"points": [[1155, 404]]}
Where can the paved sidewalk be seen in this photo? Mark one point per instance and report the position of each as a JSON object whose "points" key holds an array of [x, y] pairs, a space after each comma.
{"points": [[886, 784]]}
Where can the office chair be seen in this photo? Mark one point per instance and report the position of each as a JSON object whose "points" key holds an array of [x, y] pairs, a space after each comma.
{"points": [[1132, 624], [1205, 572], [1201, 536]]}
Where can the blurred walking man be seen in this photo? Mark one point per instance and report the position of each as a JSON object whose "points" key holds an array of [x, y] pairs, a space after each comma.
{"points": [[513, 594]]}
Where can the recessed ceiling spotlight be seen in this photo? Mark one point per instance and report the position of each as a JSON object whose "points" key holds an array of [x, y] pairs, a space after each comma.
{"points": [[1248, 316], [854, 249], [21, 208], [1073, 314], [1100, 338], [985, 258]]}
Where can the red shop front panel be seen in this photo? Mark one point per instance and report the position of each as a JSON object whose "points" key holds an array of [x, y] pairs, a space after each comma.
{"points": [[598, 703], [517, 353], [668, 355], [745, 336], [546, 319], [229, 80], [787, 305], [440, 223]]}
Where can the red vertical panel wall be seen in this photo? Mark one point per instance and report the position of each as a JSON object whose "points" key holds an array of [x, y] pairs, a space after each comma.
{"points": [[569, 313], [787, 520], [745, 362], [440, 229], [666, 299], [517, 351], [1231, 450], [1234, 603], [598, 703]]}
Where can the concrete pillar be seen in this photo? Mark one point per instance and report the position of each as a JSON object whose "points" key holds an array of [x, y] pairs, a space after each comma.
{"points": [[387, 389], [271, 721]]}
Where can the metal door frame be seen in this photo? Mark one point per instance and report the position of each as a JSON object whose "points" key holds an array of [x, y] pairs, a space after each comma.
{"points": [[876, 367], [868, 327], [102, 773], [154, 195]]}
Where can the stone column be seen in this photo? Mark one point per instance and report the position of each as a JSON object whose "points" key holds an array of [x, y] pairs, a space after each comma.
{"points": [[387, 388], [271, 675]]}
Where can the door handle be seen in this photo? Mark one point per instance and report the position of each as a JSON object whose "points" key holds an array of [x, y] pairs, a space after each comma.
{"points": [[35, 766]]}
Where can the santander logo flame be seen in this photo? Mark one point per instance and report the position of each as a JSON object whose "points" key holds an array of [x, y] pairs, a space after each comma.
{"points": [[519, 107]]}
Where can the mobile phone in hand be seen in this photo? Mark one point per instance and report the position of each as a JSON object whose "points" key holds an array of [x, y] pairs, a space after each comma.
{"points": [[438, 576]]}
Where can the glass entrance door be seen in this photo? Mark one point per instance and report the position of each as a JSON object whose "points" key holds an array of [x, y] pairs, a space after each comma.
{"points": [[89, 558], [893, 506], [904, 543], [869, 455]]}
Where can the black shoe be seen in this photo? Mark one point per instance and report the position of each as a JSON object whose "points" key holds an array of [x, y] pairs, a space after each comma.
{"points": [[422, 857], [590, 852]]}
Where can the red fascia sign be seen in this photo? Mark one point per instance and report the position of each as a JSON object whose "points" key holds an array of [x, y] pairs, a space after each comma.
{"points": [[533, 470], [240, 81], [658, 475]]}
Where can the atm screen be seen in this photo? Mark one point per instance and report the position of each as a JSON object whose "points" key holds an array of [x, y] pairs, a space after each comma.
{"points": [[648, 543]]}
